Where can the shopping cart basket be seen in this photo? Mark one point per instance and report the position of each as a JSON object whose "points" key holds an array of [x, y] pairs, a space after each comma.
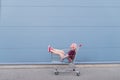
{"points": [[64, 66]]}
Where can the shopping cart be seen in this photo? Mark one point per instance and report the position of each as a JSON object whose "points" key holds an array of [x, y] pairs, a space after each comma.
{"points": [[65, 65]]}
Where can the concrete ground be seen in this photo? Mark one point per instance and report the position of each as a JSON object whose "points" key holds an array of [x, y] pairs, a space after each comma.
{"points": [[46, 72]]}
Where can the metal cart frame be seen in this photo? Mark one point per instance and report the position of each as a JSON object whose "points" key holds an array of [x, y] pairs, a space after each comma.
{"points": [[60, 65]]}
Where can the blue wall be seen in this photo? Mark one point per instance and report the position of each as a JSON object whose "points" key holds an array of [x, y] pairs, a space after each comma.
{"points": [[28, 26]]}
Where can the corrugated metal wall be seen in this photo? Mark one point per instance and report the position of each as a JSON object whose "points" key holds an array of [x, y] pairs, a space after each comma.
{"points": [[28, 26]]}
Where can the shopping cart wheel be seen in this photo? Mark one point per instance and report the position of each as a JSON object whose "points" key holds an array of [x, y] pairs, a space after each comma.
{"points": [[78, 73], [56, 73], [73, 69]]}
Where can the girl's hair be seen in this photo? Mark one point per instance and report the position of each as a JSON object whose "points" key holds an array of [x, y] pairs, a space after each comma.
{"points": [[73, 45]]}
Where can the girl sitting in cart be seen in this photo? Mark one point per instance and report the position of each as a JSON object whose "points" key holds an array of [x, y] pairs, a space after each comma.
{"points": [[70, 55]]}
